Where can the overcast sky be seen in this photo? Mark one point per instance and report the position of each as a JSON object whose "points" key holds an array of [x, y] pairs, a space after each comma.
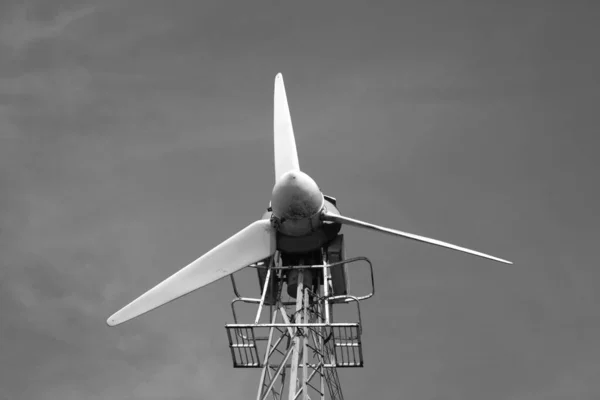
{"points": [[137, 135]]}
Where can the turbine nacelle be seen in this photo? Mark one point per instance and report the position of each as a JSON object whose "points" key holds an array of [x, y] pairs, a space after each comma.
{"points": [[296, 204]]}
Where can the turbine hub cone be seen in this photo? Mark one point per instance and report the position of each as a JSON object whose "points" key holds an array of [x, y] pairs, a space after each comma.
{"points": [[296, 201]]}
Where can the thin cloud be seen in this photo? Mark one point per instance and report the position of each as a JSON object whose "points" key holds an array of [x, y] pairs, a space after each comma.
{"points": [[21, 31]]}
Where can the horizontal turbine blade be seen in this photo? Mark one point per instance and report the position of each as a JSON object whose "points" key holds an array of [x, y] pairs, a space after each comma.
{"points": [[252, 244], [286, 155], [361, 224]]}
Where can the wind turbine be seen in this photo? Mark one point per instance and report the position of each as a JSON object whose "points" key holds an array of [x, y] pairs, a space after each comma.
{"points": [[299, 221]]}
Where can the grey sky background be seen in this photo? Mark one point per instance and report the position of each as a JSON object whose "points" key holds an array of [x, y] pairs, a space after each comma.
{"points": [[137, 135]]}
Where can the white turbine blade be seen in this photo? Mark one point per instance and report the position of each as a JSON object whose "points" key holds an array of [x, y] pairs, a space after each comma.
{"points": [[286, 155], [361, 224], [252, 244]]}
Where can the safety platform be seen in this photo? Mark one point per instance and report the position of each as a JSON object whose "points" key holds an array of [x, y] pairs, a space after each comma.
{"points": [[343, 341]]}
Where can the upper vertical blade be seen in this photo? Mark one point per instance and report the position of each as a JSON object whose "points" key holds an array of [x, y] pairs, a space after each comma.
{"points": [[286, 156]]}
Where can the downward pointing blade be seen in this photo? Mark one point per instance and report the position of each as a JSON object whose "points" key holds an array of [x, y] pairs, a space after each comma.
{"points": [[286, 156], [252, 244], [361, 224]]}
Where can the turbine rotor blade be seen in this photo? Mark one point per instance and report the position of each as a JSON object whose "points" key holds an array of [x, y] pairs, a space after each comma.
{"points": [[361, 224], [252, 244], [286, 155]]}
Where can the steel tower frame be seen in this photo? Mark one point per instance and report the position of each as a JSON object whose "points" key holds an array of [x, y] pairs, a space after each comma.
{"points": [[298, 348]]}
